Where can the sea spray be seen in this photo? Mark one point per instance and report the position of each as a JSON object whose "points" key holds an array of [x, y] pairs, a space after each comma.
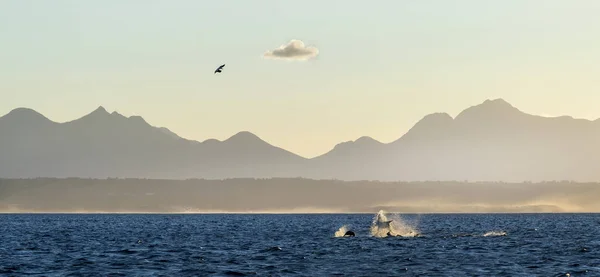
{"points": [[341, 231], [384, 225]]}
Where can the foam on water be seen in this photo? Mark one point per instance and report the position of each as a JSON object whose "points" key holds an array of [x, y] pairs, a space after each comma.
{"points": [[384, 225], [495, 234]]}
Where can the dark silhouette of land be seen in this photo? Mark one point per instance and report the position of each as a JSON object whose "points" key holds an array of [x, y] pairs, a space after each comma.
{"points": [[295, 195], [493, 141]]}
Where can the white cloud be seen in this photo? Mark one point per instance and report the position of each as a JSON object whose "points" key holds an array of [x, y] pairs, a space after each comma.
{"points": [[293, 50]]}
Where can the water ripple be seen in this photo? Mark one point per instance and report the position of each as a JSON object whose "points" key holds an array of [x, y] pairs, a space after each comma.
{"points": [[297, 245]]}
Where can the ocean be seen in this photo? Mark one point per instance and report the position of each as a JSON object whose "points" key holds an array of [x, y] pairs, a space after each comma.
{"points": [[299, 245]]}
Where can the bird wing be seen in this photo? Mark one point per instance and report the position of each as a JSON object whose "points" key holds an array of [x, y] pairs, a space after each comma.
{"points": [[219, 68]]}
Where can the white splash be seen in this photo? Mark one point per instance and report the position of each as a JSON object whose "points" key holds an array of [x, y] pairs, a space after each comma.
{"points": [[391, 225], [495, 234], [342, 231]]}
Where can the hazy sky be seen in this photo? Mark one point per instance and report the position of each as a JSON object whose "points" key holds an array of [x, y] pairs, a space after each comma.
{"points": [[381, 65]]}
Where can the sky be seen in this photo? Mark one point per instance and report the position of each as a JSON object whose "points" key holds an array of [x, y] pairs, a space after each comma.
{"points": [[378, 68]]}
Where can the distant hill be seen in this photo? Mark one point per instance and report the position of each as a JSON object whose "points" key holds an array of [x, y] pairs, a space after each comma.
{"points": [[492, 141], [103, 144]]}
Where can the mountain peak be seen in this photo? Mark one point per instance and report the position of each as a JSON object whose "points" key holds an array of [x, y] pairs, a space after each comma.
{"points": [[100, 110], [495, 108], [497, 101], [137, 119], [366, 139], [25, 114], [98, 115], [243, 137], [439, 118], [431, 125], [23, 110]]}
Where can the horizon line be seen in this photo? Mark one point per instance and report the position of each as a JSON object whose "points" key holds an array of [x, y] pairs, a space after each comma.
{"points": [[301, 178]]}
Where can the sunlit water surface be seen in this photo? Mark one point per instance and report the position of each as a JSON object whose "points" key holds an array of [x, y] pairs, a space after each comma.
{"points": [[299, 245]]}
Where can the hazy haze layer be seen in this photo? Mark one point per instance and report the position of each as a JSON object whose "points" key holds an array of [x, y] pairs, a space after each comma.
{"points": [[291, 196]]}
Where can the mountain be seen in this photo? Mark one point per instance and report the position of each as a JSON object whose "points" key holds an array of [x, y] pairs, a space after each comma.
{"points": [[102, 144], [492, 141]]}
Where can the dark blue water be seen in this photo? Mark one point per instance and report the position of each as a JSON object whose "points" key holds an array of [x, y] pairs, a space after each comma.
{"points": [[297, 245]]}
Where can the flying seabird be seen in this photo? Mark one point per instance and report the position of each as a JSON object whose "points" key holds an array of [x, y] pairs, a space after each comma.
{"points": [[219, 69]]}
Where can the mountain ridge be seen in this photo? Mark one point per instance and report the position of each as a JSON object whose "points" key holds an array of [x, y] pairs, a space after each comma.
{"points": [[100, 110], [490, 141]]}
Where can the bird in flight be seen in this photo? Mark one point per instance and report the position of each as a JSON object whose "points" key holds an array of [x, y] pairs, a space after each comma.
{"points": [[219, 69]]}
